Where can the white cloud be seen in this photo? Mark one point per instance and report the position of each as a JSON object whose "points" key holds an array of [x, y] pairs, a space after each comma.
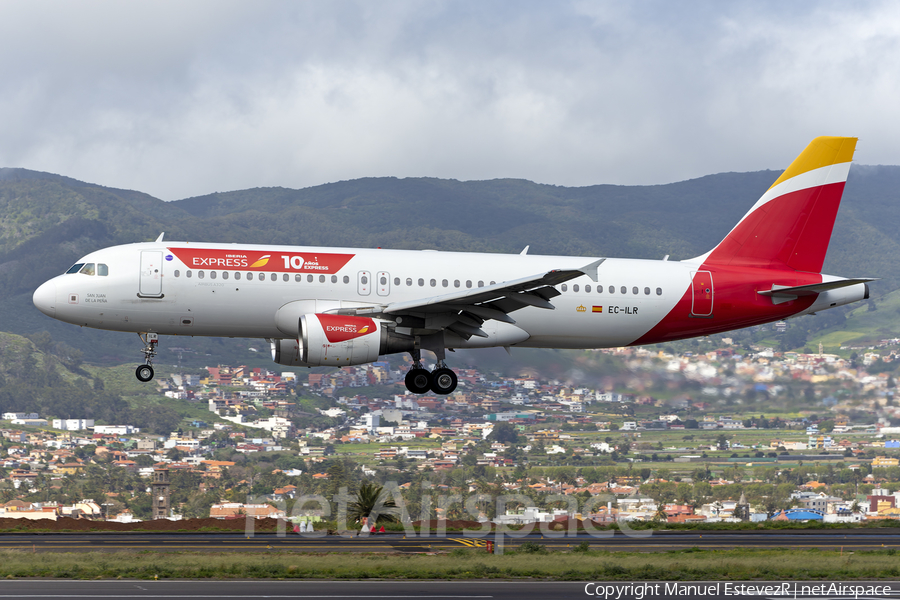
{"points": [[180, 99]]}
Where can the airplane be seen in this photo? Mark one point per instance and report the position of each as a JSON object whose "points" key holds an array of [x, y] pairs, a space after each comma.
{"points": [[336, 307]]}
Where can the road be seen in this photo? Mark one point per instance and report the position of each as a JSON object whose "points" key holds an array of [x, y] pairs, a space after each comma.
{"points": [[659, 541]]}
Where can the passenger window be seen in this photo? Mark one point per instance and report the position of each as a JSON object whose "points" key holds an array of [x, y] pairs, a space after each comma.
{"points": [[468, 283], [383, 280], [623, 290], [309, 278], [237, 275], [493, 282], [456, 283], [200, 275], [433, 282], [634, 290], [298, 278], [273, 277], [421, 282], [87, 269], [102, 270], [364, 280], [188, 274], [659, 291], [224, 274], [646, 291], [445, 283], [396, 281], [177, 273], [564, 287], [346, 279], [285, 277], [249, 276], [612, 289], [75, 268], [334, 279], [409, 281], [575, 287], [322, 279], [480, 283], [587, 288], [212, 274]]}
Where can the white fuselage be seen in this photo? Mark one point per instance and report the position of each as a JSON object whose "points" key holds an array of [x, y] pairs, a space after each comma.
{"points": [[150, 288]]}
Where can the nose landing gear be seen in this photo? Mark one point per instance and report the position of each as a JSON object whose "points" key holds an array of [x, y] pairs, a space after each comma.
{"points": [[144, 372]]}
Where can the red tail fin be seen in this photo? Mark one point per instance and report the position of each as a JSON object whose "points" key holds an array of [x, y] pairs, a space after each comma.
{"points": [[790, 226]]}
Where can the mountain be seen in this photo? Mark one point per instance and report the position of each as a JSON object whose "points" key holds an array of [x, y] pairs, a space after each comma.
{"points": [[47, 221]]}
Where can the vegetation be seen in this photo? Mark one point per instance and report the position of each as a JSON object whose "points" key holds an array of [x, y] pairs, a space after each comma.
{"points": [[373, 504], [588, 565]]}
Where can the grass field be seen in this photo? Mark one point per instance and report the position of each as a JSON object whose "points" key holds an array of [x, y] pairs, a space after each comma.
{"points": [[688, 565]]}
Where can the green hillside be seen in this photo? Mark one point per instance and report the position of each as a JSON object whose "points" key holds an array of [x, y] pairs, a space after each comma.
{"points": [[48, 221], [48, 377]]}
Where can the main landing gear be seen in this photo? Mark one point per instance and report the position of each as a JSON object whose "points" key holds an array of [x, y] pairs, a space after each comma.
{"points": [[144, 372], [441, 381]]}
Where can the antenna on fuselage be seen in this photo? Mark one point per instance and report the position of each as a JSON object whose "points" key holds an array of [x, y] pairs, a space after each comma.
{"points": [[160, 238], [525, 251]]}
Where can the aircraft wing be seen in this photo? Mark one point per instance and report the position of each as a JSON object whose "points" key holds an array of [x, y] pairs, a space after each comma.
{"points": [[464, 311]]}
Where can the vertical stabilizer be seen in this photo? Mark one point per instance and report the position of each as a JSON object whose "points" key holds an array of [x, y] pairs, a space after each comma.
{"points": [[790, 226]]}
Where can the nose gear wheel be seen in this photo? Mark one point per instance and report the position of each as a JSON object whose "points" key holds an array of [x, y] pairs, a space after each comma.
{"points": [[144, 373]]}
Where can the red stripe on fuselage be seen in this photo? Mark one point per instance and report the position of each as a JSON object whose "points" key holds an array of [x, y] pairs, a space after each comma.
{"points": [[736, 303]]}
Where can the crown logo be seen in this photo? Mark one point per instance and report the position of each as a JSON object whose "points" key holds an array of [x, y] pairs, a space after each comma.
{"points": [[581, 308]]}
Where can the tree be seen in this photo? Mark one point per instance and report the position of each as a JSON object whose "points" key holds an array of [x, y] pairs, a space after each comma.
{"points": [[660, 515], [505, 433], [373, 503], [144, 460]]}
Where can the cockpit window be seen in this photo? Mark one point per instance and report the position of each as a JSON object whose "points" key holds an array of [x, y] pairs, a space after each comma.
{"points": [[75, 268], [102, 270], [87, 269]]}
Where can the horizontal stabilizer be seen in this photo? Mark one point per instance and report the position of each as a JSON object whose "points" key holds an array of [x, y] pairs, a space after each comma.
{"points": [[783, 293]]}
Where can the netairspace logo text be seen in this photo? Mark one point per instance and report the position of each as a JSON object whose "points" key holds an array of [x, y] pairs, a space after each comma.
{"points": [[640, 591]]}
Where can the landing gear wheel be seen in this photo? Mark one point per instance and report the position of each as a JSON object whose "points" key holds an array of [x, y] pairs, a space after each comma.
{"points": [[418, 381], [443, 381], [144, 373]]}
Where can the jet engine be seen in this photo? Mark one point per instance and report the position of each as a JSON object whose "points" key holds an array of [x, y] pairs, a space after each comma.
{"points": [[328, 340]]}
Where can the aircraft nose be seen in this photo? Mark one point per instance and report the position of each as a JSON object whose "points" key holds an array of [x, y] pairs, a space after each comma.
{"points": [[45, 298]]}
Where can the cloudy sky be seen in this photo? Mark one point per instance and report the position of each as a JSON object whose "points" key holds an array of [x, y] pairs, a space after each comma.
{"points": [[182, 98]]}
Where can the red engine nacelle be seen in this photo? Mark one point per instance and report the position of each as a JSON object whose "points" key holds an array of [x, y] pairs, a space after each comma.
{"points": [[338, 341]]}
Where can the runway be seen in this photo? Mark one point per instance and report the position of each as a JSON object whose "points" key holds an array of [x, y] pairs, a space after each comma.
{"points": [[659, 541], [416, 590]]}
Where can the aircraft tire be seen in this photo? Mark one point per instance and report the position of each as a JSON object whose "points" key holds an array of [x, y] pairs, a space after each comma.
{"points": [[443, 381], [418, 381], [144, 373]]}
